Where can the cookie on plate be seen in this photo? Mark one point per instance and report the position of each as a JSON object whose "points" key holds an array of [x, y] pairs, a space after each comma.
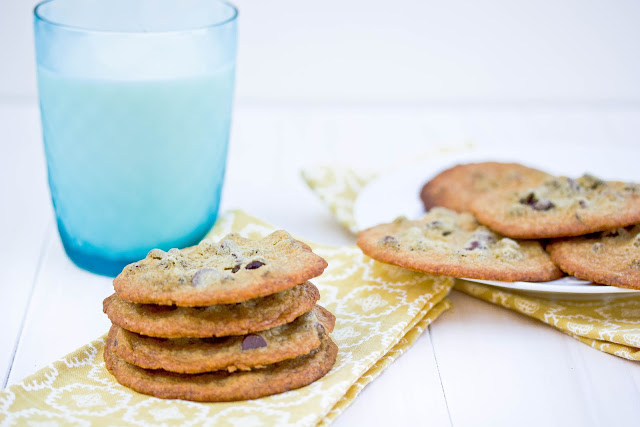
{"points": [[222, 386], [456, 187], [611, 257], [447, 243], [559, 207], [245, 352], [242, 318], [234, 270]]}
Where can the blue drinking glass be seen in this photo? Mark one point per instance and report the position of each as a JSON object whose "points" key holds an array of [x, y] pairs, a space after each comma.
{"points": [[135, 101]]}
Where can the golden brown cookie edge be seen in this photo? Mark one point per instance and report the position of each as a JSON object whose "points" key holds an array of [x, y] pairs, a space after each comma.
{"points": [[367, 241], [285, 376], [564, 256], [151, 358], [146, 325]]}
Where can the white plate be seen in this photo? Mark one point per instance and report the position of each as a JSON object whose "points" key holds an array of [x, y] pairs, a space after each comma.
{"points": [[397, 193]]}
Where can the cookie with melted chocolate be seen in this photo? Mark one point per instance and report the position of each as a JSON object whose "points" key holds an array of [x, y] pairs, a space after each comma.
{"points": [[240, 352], [454, 244], [234, 270], [220, 320], [559, 207], [611, 257], [456, 187], [223, 386]]}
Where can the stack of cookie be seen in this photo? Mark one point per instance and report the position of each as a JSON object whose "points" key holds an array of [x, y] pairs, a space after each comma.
{"points": [[509, 222], [230, 321]]}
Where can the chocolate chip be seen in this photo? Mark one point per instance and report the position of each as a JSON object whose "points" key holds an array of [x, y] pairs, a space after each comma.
{"points": [[235, 268], [537, 204], [543, 205], [436, 223], [475, 244], [610, 233], [582, 203], [446, 233], [253, 265], [530, 199], [252, 341]]}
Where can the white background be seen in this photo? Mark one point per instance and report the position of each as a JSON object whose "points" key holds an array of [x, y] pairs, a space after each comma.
{"points": [[408, 51], [373, 85]]}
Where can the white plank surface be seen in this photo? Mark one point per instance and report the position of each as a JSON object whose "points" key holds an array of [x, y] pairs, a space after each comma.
{"points": [[477, 365], [63, 311], [502, 368], [24, 217], [408, 392]]}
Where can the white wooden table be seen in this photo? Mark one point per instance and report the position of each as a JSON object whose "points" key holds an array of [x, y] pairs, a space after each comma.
{"points": [[477, 365]]}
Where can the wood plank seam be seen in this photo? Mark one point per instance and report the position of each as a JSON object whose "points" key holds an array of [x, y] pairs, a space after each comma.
{"points": [[444, 394], [43, 249]]}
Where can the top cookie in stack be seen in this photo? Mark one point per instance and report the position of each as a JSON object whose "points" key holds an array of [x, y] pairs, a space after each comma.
{"points": [[505, 202], [234, 270], [230, 321]]}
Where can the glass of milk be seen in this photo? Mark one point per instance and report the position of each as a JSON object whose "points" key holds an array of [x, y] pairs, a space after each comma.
{"points": [[135, 100]]}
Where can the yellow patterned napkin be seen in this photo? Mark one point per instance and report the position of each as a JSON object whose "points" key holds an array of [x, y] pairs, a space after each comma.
{"points": [[611, 325], [381, 310]]}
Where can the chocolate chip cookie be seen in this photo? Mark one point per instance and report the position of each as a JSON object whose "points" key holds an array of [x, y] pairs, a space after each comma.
{"points": [[242, 318], [453, 244], [559, 207], [456, 187], [221, 386], [234, 270], [245, 352], [611, 257]]}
